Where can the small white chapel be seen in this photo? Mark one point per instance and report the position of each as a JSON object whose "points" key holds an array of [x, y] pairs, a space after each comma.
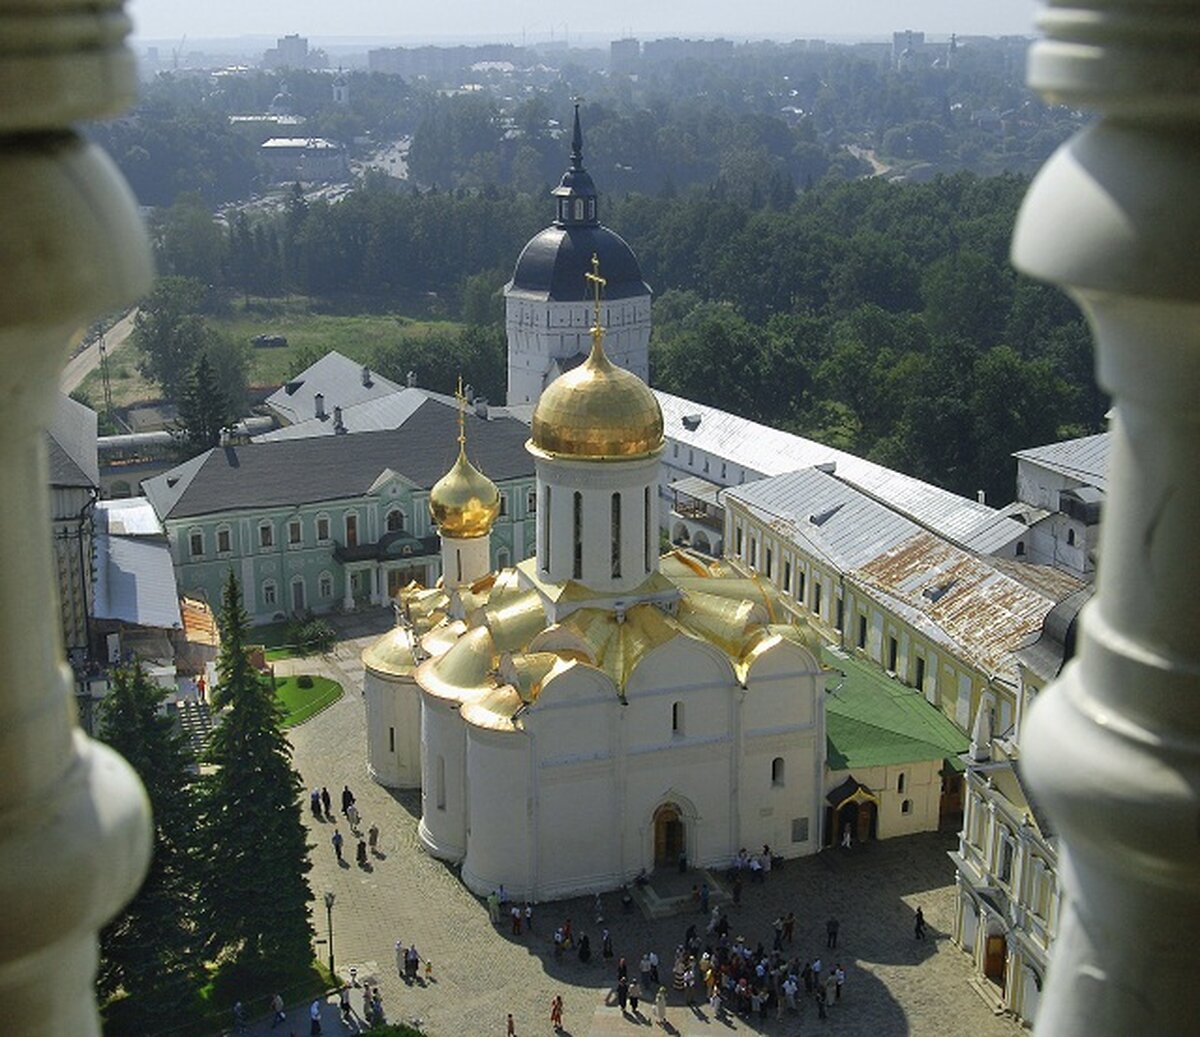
{"points": [[597, 709]]}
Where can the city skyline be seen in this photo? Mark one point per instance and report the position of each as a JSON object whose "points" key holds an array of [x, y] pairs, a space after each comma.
{"points": [[458, 21]]}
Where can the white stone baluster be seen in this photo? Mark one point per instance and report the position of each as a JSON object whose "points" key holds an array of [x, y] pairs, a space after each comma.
{"points": [[1112, 749], [74, 823]]}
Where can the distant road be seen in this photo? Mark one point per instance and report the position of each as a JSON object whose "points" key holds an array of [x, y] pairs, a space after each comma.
{"points": [[88, 358]]}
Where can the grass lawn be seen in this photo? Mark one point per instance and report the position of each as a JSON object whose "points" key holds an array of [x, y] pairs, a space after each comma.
{"points": [[356, 336], [301, 703]]}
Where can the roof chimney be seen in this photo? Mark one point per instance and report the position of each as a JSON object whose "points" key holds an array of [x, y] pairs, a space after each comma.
{"points": [[319, 405], [410, 379], [366, 377], [981, 496], [338, 426], [481, 407]]}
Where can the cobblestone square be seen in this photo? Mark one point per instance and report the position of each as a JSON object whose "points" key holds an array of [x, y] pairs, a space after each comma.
{"points": [[895, 984]]}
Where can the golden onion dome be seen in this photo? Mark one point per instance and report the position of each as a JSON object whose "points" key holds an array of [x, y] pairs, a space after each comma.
{"points": [[464, 502], [597, 411]]}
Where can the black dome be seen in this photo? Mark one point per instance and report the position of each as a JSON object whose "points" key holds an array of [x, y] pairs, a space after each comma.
{"points": [[552, 266]]}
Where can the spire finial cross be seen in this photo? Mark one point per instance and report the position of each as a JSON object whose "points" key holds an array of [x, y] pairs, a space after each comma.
{"points": [[598, 282], [462, 414]]}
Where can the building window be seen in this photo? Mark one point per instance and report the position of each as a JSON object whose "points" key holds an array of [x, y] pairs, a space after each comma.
{"points": [[800, 829], [266, 535], [579, 208], [531, 502], [906, 807], [503, 505], [502, 560], [1020, 548], [615, 532], [737, 541], [441, 783], [1070, 538], [893, 653], [787, 576], [577, 523], [691, 458], [322, 528], [816, 597], [196, 544], [325, 585], [800, 582], [920, 673], [395, 521], [351, 529], [295, 534], [722, 469], [646, 527], [1007, 853], [458, 566], [841, 611], [777, 772], [674, 449], [768, 561], [862, 631], [391, 739], [677, 718], [754, 552], [900, 783], [546, 532], [706, 465], [224, 541], [299, 597], [268, 593]]}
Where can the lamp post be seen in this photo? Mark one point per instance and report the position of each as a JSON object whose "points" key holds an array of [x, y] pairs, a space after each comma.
{"points": [[329, 899]]}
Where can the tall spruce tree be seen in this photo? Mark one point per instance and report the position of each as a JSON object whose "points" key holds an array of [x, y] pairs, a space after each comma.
{"points": [[150, 953], [204, 409], [254, 896]]}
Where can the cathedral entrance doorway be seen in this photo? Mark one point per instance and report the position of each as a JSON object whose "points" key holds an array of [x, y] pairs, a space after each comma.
{"points": [[995, 958], [669, 835]]}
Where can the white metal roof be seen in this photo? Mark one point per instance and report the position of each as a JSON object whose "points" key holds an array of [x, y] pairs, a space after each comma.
{"points": [[1084, 459], [825, 516], [135, 582], [339, 380], [133, 516], [765, 451]]}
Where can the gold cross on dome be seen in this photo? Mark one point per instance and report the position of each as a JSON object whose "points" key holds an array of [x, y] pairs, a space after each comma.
{"points": [[593, 275], [462, 413]]}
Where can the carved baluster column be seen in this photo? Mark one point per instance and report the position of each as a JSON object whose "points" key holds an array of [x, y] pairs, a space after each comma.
{"points": [[74, 823], [1112, 750]]}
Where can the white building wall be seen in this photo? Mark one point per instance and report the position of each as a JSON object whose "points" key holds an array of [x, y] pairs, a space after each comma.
{"points": [[393, 707], [443, 827]]}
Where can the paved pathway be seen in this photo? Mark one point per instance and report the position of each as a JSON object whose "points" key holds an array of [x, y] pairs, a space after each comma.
{"points": [[895, 985]]}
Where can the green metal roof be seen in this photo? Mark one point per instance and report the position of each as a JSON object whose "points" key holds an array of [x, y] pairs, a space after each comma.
{"points": [[872, 720]]}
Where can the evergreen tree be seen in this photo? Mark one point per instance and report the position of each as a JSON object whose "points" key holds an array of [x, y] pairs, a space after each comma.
{"points": [[149, 953], [204, 409], [254, 896]]}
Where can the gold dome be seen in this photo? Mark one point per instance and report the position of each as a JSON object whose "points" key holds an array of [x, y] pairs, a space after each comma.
{"points": [[597, 411], [464, 502]]}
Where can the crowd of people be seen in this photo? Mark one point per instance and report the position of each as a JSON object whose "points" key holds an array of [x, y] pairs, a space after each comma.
{"points": [[321, 804]]}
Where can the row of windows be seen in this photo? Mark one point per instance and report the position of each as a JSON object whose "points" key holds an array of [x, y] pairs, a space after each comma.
{"points": [[800, 590], [299, 591], [614, 533], [706, 463]]}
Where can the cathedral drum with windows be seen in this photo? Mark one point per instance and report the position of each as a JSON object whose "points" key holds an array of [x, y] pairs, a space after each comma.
{"points": [[598, 709]]}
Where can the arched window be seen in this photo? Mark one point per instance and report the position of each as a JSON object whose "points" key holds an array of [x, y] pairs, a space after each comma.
{"points": [[646, 526], [777, 771], [224, 540], [458, 566], [616, 536], [269, 596], [196, 543], [440, 783], [531, 502], [1020, 548], [351, 529], [266, 534], [900, 782], [677, 718], [579, 208], [325, 585], [1070, 538], [546, 532], [395, 520], [906, 807], [577, 566], [322, 528]]}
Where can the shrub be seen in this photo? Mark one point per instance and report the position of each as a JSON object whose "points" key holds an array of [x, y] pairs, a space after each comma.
{"points": [[304, 681]]}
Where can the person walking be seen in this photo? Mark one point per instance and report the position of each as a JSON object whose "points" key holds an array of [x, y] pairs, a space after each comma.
{"points": [[314, 1015], [511, 1028], [515, 914], [361, 854], [635, 995], [278, 1015], [353, 816], [493, 906], [606, 947], [789, 927], [839, 977], [314, 801], [337, 841], [344, 1000], [347, 798], [622, 992], [919, 925], [660, 1007], [556, 1013], [400, 958], [831, 932], [373, 838], [528, 917], [327, 803]]}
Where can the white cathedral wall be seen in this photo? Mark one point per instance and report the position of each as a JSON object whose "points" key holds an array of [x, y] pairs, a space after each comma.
{"points": [[540, 332], [499, 847], [465, 560], [393, 730], [443, 827]]}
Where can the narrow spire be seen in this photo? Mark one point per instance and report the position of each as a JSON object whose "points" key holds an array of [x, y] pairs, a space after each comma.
{"points": [[598, 283], [577, 142], [462, 417]]}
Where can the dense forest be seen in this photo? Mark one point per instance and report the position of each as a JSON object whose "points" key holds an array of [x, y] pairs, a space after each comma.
{"points": [[882, 318]]}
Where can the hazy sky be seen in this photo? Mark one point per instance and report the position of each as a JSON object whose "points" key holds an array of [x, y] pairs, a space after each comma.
{"points": [[507, 19]]}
